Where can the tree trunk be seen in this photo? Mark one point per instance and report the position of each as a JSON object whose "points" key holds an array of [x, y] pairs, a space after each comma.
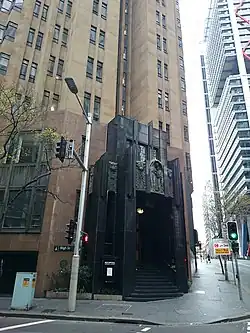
{"points": [[221, 265]]}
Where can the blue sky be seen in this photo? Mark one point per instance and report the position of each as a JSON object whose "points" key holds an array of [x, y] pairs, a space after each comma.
{"points": [[192, 30]]}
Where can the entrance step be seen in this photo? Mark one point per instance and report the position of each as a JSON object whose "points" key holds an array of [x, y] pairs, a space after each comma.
{"points": [[152, 285]]}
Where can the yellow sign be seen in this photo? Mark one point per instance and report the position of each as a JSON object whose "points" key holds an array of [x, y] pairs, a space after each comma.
{"points": [[222, 251], [26, 282]]}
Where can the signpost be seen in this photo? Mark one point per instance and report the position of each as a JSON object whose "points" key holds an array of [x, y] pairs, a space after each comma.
{"points": [[63, 248], [221, 247]]}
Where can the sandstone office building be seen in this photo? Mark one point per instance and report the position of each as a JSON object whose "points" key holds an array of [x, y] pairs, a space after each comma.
{"points": [[126, 57]]}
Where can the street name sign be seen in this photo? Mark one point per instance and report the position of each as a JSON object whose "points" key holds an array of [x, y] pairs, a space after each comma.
{"points": [[63, 248], [221, 247]]}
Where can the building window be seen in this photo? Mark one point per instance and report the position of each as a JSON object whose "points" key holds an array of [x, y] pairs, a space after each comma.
{"points": [[180, 42], [33, 70], [51, 65], [102, 39], [56, 33], [37, 8], [69, 9], [55, 102], [184, 107], [31, 37], [158, 42], [61, 6], [90, 66], [181, 63], [60, 65], [6, 5], [159, 69], [164, 24], [2, 32], [24, 68], [99, 71], [188, 161], [104, 12], [10, 32], [165, 71], [125, 51], [183, 84], [160, 125], [177, 5], [159, 98], [4, 62], [165, 45], [95, 6], [65, 36], [186, 134], [92, 38], [45, 12], [166, 97], [45, 101], [168, 134], [158, 17], [97, 108], [124, 79], [86, 103], [39, 40]]}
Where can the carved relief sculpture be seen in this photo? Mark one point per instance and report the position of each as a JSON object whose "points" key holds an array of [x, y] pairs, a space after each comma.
{"points": [[170, 183], [140, 175], [156, 177], [112, 176], [91, 179]]}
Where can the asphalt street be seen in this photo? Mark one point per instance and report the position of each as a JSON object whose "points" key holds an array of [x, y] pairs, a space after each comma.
{"points": [[52, 326], [244, 268]]}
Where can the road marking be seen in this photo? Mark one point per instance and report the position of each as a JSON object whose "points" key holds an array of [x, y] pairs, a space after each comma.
{"points": [[8, 328], [146, 329], [248, 327]]}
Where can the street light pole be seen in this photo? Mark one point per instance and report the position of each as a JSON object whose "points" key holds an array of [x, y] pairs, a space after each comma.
{"points": [[76, 256]]}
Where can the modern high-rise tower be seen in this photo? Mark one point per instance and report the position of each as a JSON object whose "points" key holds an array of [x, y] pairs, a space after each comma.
{"points": [[126, 58], [227, 38]]}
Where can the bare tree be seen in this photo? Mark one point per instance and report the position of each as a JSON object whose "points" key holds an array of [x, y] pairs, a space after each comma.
{"points": [[238, 207], [19, 114], [212, 213]]}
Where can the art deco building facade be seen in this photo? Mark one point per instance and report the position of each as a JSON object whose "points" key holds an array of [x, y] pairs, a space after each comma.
{"points": [[126, 58]]}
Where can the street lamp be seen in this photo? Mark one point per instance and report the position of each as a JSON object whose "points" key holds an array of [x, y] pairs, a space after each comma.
{"points": [[76, 257]]}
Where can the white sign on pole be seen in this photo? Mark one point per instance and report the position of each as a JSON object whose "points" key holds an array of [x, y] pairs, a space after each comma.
{"points": [[221, 247]]}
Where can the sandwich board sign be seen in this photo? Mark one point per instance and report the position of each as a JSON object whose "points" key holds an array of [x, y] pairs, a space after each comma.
{"points": [[221, 247]]}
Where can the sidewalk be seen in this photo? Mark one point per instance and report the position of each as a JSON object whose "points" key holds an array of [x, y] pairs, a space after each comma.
{"points": [[210, 299]]}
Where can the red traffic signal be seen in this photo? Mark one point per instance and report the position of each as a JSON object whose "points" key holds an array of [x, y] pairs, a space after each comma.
{"points": [[85, 238]]}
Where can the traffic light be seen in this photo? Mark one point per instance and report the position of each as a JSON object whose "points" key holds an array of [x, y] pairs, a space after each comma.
{"points": [[232, 231], [84, 238], [61, 149], [70, 231], [235, 247], [70, 149]]}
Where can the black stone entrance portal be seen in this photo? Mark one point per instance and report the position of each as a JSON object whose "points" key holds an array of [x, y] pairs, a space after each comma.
{"points": [[134, 215]]}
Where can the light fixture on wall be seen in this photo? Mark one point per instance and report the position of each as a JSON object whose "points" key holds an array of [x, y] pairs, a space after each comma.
{"points": [[140, 211]]}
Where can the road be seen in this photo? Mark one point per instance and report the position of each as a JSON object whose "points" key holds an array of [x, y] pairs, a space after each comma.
{"points": [[52, 326], [244, 268]]}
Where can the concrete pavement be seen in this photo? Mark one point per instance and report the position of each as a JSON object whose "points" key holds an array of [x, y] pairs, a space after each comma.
{"points": [[210, 299], [50, 326]]}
